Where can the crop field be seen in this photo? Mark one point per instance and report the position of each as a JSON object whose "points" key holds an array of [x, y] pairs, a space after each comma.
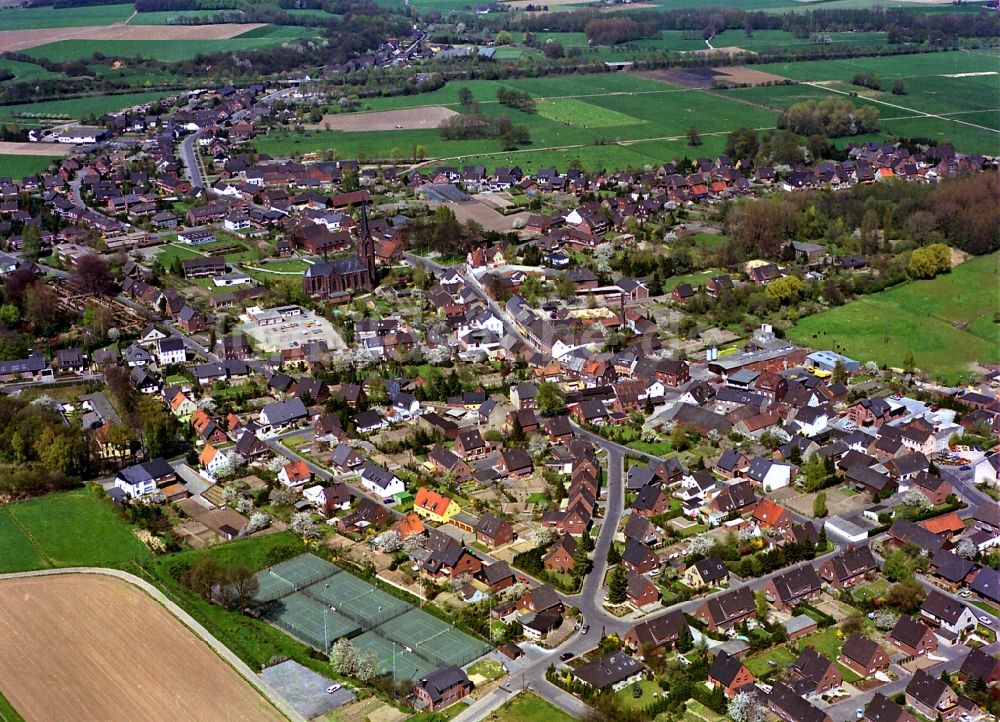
{"points": [[18, 166], [768, 39], [28, 113], [651, 120], [186, 46], [49, 17], [580, 114], [946, 322], [131, 659]]}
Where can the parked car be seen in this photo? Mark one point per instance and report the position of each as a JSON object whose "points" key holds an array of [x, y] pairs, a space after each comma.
{"points": [[334, 688], [566, 656], [585, 629], [984, 619]]}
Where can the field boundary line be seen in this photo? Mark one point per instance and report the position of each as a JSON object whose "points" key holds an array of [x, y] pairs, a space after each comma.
{"points": [[31, 539], [221, 650], [910, 110]]}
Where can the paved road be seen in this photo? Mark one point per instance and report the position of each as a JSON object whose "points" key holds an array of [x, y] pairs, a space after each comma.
{"points": [[188, 621]]}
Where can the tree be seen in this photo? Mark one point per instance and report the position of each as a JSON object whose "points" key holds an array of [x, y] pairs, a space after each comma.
{"points": [[693, 136], [282, 496], [344, 657], [884, 619], [614, 555], [367, 667], [685, 641], [564, 286], [819, 505], [915, 500], [745, 707], [464, 96], [702, 544], [898, 88], [929, 261], [549, 399], [31, 242], [41, 308], [390, 541], [305, 526], [92, 274], [239, 587], [966, 549], [897, 566], [553, 50], [742, 144], [839, 372], [618, 585], [909, 361], [763, 608], [906, 596], [785, 290]]}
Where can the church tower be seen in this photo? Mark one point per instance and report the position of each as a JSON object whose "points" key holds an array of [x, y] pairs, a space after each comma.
{"points": [[366, 246]]}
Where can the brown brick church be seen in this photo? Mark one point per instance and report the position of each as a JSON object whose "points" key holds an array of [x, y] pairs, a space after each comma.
{"points": [[345, 275]]}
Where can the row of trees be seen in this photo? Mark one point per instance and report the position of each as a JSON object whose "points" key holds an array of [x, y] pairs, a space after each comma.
{"points": [[517, 99]]}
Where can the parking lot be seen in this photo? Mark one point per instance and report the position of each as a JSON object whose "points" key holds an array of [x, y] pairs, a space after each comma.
{"points": [[305, 690], [294, 332]]}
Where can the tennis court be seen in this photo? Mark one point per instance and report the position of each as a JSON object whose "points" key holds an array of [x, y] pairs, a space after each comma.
{"points": [[357, 599], [318, 603], [310, 620], [409, 665], [292, 576], [432, 639]]}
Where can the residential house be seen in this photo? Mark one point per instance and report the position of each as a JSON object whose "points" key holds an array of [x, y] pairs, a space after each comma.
{"points": [[639, 558], [448, 559], [729, 673], [145, 478], [640, 592], [295, 473], [981, 665], [812, 673], [282, 415], [883, 709], [864, 656], [470, 444], [790, 706], [346, 460], [932, 697], [441, 688], [434, 506], [650, 636], [215, 461], [788, 590], [171, 350], [944, 612], [381, 481], [614, 670], [494, 531], [727, 610], [540, 599], [651, 501], [848, 568], [709, 572], [560, 557], [913, 637], [329, 499]]}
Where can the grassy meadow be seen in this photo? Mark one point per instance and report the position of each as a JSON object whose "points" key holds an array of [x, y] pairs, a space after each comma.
{"points": [[947, 323], [18, 166]]}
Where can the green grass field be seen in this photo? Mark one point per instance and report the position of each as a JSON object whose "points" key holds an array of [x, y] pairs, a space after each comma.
{"points": [[656, 119], [26, 71], [76, 107], [529, 707], [18, 166], [580, 114], [770, 39], [781, 656], [168, 50], [49, 17], [946, 322], [67, 529], [7, 711], [171, 17]]}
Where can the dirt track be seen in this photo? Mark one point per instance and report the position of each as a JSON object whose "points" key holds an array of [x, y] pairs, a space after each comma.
{"points": [[88, 647], [429, 116], [11, 40]]}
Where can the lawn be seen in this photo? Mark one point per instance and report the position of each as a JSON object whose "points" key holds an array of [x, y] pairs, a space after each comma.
{"points": [[170, 251], [581, 114], [781, 656], [953, 315], [695, 279], [660, 448], [488, 668], [529, 707], [26, 71], [650, 691], [18, 166], [826, 642], [697, 712], [49, 17], [68, 529]]}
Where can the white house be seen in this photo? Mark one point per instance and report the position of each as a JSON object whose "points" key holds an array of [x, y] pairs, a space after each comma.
{"points": [[655, 389], [150, 335], [295, 473], [381, 481], [144, 478], [234, 278], [988, 470], [811, 420], [946, 613], [215, 461], [406, 406], [171, 351], [324, 498], [768, 474]]}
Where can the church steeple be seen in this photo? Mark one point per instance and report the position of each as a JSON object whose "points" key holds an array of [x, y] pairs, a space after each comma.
{"points": [[366, 245]]}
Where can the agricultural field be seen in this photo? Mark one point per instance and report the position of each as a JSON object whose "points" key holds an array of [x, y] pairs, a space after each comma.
{"points": [[18, 166], [947, 323], [68, 529], [159, 665], [29, 114], [651, 120], [170, 50], [45, 17], [770, 39]]}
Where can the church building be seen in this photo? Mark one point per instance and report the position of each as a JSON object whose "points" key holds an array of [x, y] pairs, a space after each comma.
{"points": [[345, 275]]}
